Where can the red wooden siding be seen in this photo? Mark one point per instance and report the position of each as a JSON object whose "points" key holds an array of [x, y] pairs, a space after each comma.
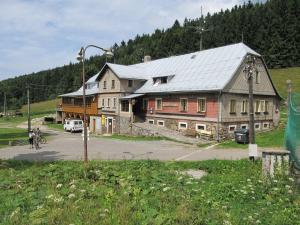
{"points": [[171, 105]]}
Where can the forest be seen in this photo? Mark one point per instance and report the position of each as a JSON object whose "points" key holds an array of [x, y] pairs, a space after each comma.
{"points": [[271, 28]]}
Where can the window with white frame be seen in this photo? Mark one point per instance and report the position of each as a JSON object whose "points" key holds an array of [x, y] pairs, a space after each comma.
{"points": [[115, 103], [257, 126], [150, 121], [266, 107], [103, 102], [182, 125], [262, 106], [201, 104], [104, 84], [244, 108], [158, 104], [130, 83], [266, 125], [183, 104], [200, 127], [232, 106], [108, 102], [257, 106], [125, 106], [231, 128], [160, 123], [244, 126]]}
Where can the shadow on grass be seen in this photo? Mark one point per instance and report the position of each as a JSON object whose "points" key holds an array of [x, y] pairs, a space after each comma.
{"points": [[23, 161]]}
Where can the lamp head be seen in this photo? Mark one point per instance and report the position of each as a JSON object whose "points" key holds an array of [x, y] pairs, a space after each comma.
{"points": [[109, 53], [79, 56]]}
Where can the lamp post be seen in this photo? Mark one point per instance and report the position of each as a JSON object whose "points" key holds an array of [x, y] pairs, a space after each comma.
{"points": [[81, 57], [250, 70]]}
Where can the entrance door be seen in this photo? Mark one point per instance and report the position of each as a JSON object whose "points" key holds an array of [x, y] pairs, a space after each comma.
{"points": [[109, 125]]}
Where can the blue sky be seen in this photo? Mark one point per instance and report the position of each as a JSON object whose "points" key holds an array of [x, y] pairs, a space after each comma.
{"points": [[41, 34]]}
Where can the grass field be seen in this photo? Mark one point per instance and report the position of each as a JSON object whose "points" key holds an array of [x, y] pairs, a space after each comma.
{"points": [[42, 107], [144, 192], [279, 77]]}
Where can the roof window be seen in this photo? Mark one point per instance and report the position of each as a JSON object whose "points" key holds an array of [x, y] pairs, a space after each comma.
{"points": [[162, 80]]}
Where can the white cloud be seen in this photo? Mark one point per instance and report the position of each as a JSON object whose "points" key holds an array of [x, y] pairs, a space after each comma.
{"points": [[37, 35]]}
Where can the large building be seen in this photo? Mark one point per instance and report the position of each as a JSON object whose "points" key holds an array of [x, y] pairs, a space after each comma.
{"points": [[204, 92]]}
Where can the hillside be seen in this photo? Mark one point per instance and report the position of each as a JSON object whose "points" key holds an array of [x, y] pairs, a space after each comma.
{"points": [[41, 107], [272, 29], [279, 77]]}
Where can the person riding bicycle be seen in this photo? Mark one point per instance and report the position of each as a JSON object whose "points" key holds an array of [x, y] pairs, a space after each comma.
{"points": [[31, 134], [36, 138]]}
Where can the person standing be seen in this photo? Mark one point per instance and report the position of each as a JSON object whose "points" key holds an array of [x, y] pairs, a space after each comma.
{"points": [[31, 134]]}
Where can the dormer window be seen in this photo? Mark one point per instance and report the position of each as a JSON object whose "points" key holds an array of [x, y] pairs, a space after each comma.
{"points": [[130, 83], [162, 80]]}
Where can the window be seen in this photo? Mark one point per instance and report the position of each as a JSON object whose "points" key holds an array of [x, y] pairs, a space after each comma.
{"points": [[125, 106], [102, 102], [231, 128], [151, 121], [182, 125], [158, 104], [244, 126], [200, 127], [115, 102], [257, 77], [257, 106], [262, 106], [266, 125], [183, 104], [104, 84], [130, 83], [257, 126], [244, 106], [232, 106], [145, 104], [266, 107], [164, 80], [160, 123], [108, 102], [112, 84], [201, 105]]}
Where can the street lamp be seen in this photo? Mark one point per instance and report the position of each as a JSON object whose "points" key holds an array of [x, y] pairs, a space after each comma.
{"points": [[250, 70], [81, 57]]}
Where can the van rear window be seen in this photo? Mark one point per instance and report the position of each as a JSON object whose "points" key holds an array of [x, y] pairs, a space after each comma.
{"points": [[75, 122], [80, 122]]}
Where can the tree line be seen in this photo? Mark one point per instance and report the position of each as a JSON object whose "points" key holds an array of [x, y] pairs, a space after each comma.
{"points": [[271, 28]]}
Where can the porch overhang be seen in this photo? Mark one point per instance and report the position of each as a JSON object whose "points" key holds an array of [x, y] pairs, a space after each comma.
{"points": [[132, 96]]}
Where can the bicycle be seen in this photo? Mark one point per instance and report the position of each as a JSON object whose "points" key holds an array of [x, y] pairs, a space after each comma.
{"points": [[43, 140]]}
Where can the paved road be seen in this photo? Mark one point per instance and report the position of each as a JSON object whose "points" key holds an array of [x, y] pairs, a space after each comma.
{"points": [[66, 146]]}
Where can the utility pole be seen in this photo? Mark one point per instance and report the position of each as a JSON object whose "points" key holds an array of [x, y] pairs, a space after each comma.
{"points": [[28, 108], [4, 104], [250, 70]]}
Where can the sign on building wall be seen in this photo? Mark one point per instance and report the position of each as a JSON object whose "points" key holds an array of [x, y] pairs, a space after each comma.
{"points": [[103, 120]]}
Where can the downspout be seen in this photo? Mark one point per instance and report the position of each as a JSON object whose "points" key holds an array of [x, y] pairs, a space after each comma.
{"points": [[219, 116]]}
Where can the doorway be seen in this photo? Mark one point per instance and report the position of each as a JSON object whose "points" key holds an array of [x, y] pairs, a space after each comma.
{"points": [[109, 125]]}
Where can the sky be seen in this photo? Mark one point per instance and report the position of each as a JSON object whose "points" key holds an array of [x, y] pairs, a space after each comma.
{"points": [[37, 35]]}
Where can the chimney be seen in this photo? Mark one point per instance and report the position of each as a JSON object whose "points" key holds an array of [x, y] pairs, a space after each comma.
{"points": [[147, 58]]}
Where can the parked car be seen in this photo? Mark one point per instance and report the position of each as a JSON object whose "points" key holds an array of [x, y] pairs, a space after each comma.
{"points": [[73, 125]]}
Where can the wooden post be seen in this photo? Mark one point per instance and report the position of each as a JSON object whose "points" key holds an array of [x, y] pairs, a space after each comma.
{"points": [[273, 160]]}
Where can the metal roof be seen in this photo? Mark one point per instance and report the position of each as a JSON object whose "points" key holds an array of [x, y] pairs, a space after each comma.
{"points": [[131, 96], [208, 70]]}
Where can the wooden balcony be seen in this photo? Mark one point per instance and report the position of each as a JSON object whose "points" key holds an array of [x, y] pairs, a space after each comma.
{"points": [[91, 109]]}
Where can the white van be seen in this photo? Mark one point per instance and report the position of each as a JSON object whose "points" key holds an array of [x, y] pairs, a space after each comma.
{"points": [[73, 125]]}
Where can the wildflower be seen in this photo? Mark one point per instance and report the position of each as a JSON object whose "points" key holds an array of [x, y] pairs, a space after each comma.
{"points": [[189, 182], [291, 179], [50, 196], [73, 186], [253, 197], [106, 210], [102, 215], [275, 181], [58, 200], [71, 195], [259, 181], [249, 180], [226, 222], [287, 186], [257, 221], [82, 191], [58, 186], [166, 188], [151, 188], [39, 206], [276, 189], [290, 191], [163, 184], [250, 217]]}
